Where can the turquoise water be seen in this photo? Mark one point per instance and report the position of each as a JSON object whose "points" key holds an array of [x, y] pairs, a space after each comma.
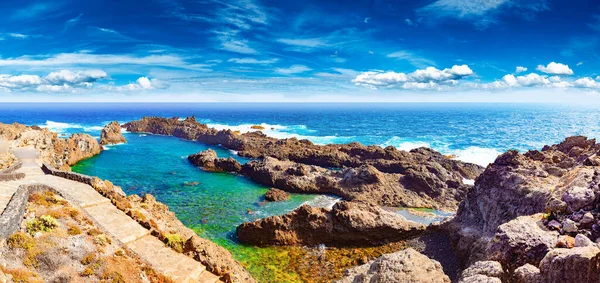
{"points": [[158, 165]]}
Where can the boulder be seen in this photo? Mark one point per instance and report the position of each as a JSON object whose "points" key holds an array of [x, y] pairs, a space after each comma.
{"points": [[276, 195], [520, 241], [111, 134], [527, 274], [347, 223], [401, 267], [209, 161], [579, 264], [483, 271]]}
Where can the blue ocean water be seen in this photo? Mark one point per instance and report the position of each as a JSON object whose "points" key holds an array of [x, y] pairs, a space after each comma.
{"points": [[218, 202]]}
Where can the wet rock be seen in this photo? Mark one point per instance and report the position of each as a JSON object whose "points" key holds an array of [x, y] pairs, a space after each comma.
{"points": [[111, 134], [276, 195], [347, 223], [404, 266], [209, 161]]}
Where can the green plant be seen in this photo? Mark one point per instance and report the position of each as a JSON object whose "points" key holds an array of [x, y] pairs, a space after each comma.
{"points": [[175, 242], [102, 240], [74, 230], [44, 223]]}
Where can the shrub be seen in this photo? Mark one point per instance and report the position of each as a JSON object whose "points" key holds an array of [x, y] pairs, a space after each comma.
{"points": [[44, 223], [50, 260], [102, 240], [88, 271], [21, 240], [94, 232], [74, 230], [175, 242], [88, 259]]}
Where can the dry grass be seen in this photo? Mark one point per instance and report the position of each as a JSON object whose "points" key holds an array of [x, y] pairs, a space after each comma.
{"points": [[50, 256]]}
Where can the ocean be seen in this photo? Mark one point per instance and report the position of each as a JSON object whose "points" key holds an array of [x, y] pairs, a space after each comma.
{"points": [[213, 204]]}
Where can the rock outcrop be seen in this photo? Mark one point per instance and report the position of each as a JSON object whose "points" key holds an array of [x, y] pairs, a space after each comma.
{"points": [[535, 213], [483, 271], [347, 223], [58, 152], [111, 134], [415, 174], [401, 267], [276, 195], [364, 183]]}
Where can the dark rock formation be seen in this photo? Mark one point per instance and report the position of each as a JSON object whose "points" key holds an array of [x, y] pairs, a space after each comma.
{"points": [[274, 194], [347, 223], [404, 266], [418, 188], [111, 134], [209, 161]]}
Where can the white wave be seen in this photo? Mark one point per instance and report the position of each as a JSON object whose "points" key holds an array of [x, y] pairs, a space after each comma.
{"points": [[404, 144], [284, 132], [234, 152], [59, 126], [104, 147], [143, 135], [477, 155], [324, 201], [93, 128], [468, 181]]}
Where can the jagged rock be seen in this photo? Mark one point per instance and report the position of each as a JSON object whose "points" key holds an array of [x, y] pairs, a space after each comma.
{"points": [[401, 267], [578, 264], [58, 152], [527, 274], [347, 223], [209, 161], [520, 241], [276, 195], [556, 179], [421, 177], [111, 134]]}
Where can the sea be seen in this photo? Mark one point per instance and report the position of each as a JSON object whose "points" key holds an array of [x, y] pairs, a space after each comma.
{"points": [[213, 204]]}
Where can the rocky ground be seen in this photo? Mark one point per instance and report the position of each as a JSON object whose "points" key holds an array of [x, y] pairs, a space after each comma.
{"points": [[534, 215], [60, 153], [59, 243]]}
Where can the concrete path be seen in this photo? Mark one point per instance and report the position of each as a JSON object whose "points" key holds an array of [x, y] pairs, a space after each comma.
{"points": [[175, 265]]}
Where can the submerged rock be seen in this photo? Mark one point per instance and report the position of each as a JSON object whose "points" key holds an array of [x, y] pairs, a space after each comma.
{"points": [[111, 134], [401, 267], [347, 223]]}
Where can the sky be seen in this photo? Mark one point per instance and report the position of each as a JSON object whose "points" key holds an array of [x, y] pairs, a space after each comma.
{"points": [[300, 51]]}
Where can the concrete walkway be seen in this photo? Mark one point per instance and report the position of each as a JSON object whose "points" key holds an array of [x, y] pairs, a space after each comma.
{"points": [[175, 265]]}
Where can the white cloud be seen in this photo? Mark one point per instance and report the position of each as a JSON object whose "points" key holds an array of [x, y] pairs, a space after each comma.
{"points": [[586, 82], [408, 22], [520, 69], [295, 69], [142, 83], [554, 68], [19, 82], [430, 77], [68, 77], [253, 61]]}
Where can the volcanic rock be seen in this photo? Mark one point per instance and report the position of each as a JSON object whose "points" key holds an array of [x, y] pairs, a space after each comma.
{"points": [[404, 266], [111, 134], [276, 195], [347, 223]]}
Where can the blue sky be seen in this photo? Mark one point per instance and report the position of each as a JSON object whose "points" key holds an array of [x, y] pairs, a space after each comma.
{"points": [[252, 50]]}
